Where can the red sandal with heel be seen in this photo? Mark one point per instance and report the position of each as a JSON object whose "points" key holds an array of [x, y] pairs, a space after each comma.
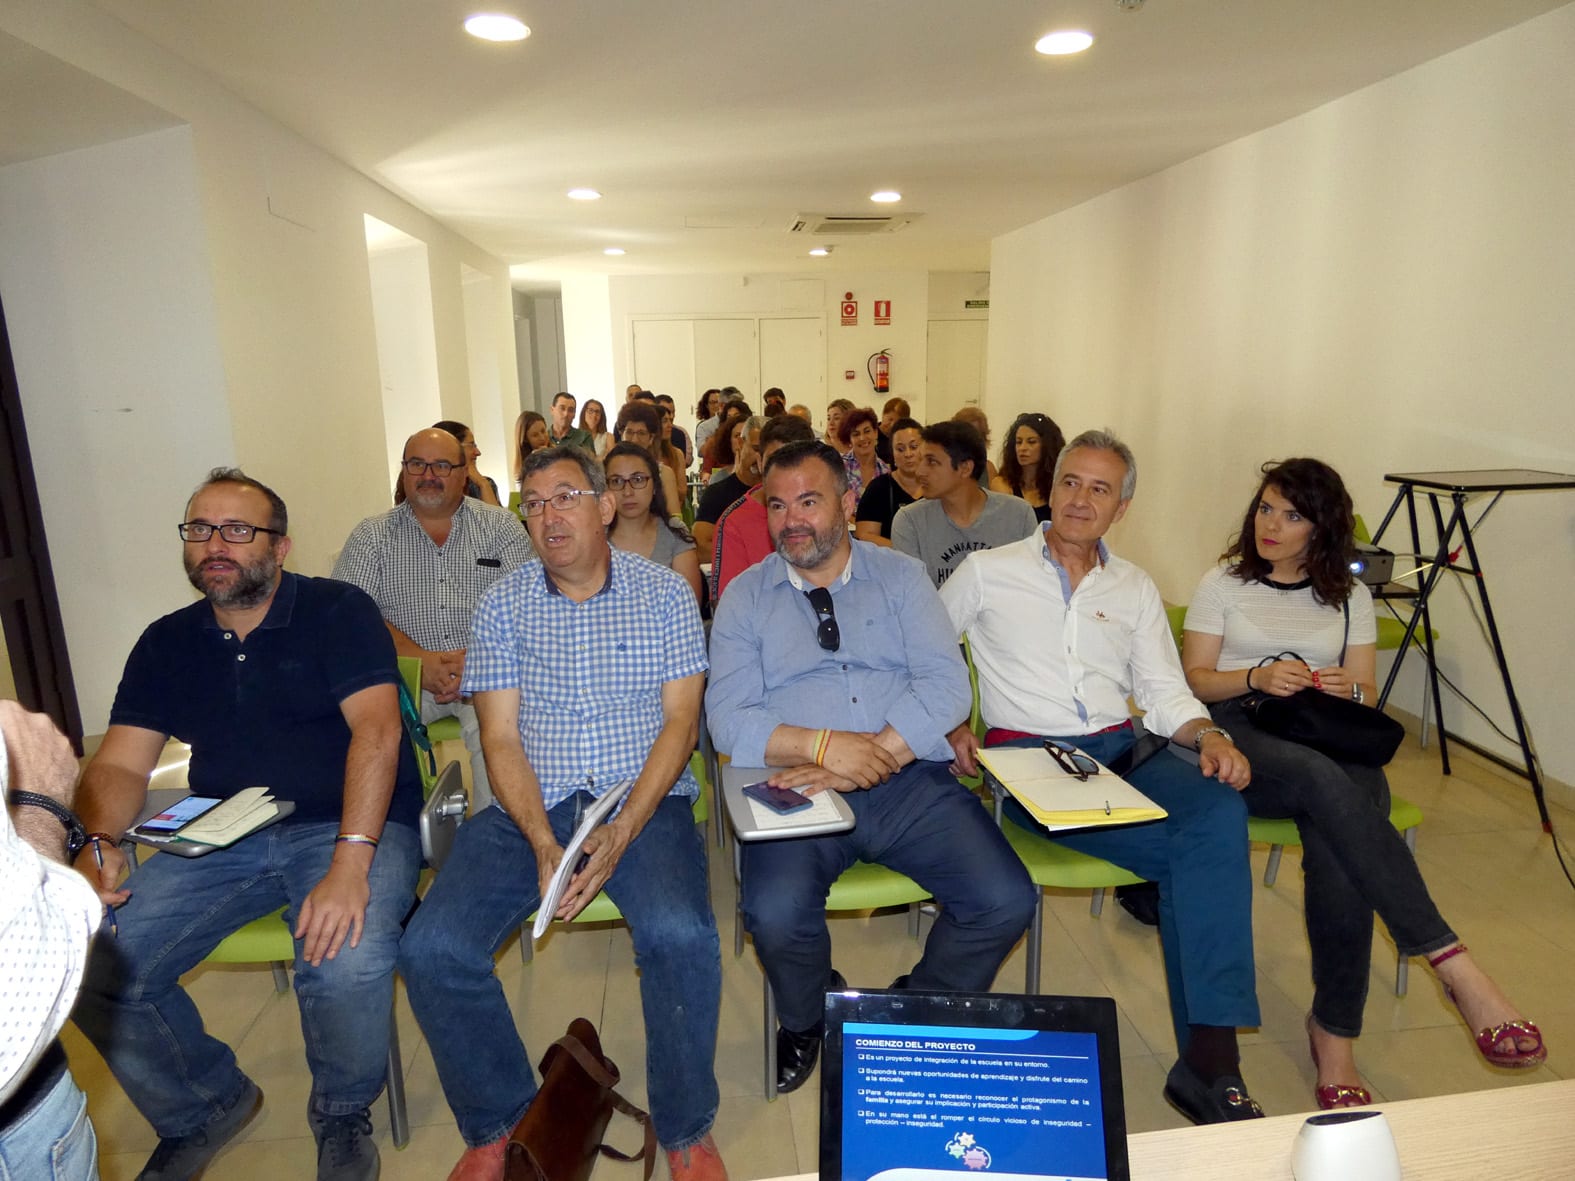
{"points": [[1489, 1037], [1332, 1096]]}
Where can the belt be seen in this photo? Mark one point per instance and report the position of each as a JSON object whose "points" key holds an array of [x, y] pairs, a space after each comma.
{"points": [[995, 736]]}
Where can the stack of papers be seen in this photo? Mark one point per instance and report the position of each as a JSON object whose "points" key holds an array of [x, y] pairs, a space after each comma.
{"points": [[573, 853], [244, 812], [1061, 801]]}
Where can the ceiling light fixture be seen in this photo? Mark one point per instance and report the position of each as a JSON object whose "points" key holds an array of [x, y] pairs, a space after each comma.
{"points": [[615, 251], [584, 195], [820, 251], [886, 196], [495, 26], [1063, 42]]}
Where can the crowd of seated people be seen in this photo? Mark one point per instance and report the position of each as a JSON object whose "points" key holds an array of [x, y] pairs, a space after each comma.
{"points": [[832, 663]]}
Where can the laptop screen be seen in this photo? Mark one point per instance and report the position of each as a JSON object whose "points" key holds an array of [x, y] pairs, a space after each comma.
{"points": [[927, 1086]]}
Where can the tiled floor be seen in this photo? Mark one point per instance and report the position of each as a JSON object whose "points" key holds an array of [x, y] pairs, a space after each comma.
{"points": [[1491, 870]]}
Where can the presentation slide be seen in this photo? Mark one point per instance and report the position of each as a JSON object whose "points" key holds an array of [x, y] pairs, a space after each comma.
{"points": [[927, 1102]]}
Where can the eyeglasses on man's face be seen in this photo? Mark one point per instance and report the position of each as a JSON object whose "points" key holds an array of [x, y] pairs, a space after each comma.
{"points": [[233, 532], [1071, 760], [439, 467], [827, 634], [637, 481], [561, 501]]}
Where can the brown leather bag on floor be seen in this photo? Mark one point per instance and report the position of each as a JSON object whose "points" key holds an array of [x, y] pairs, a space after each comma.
{"points": [[561, 1133]]}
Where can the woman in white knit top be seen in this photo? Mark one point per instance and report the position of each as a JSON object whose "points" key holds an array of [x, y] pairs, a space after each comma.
{"points": [[1286, 588]]}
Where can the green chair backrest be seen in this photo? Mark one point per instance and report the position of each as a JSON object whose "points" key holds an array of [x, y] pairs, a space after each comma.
{"points": [[410, 715], [1178, 621], [1362, 534]]}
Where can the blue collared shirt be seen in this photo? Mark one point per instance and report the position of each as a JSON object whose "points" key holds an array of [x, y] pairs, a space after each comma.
{"points": [[898, 663], [590, 674]]}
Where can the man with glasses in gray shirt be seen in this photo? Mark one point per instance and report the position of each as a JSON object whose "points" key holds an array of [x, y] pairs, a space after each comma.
{"points": [[834, 662], [425, 563]]}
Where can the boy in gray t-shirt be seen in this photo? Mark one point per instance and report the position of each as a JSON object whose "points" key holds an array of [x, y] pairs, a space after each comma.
{"points": [[956, 516]]}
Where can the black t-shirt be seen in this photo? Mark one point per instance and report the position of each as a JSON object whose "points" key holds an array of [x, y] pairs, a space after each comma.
{"points": [[715, 499], [880, 502]]}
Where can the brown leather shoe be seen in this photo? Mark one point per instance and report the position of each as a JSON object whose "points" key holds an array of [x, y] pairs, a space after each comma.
{"points": [[481, 1164], [699, 1162]]}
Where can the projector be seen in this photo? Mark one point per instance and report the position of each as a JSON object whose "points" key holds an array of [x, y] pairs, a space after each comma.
{"points": [[1372, 565]]}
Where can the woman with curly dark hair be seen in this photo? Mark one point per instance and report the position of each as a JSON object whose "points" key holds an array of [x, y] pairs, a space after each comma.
{"points": [[1283, 613], [859, 435], [1028, 461], [716, 461]]}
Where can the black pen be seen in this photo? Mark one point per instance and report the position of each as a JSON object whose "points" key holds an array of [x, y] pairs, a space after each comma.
{"points": [[109, 911]]}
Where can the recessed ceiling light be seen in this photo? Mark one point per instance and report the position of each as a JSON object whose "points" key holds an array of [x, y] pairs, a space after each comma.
{"points": [[821, 251], [584, 195], [886, 196], [495, 26], [1063, 42], [615, 251]]}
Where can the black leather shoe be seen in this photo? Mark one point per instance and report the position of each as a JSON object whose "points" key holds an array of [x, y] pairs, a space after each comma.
{"points": [[900, 983], [1223, 1101], [1141, 901], [796, 1056]]}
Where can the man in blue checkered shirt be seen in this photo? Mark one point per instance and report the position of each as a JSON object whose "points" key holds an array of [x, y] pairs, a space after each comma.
{"points": [[425, 562], [586, 669]]}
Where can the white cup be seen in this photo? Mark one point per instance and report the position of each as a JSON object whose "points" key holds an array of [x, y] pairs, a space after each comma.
{"points": [[1350, 1145]]}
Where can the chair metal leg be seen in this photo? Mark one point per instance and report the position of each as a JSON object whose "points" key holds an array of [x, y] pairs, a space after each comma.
{"points": [[771, 1037], [1096, 904], [281, 976], [398, 1116], [527, 948], [1402, 974], [913, 920], [1272, 870], [1427, 685], [1036, 931], [738, 929]]}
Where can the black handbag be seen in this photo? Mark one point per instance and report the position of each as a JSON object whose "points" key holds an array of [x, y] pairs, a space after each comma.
{"points": [[1345, 730], [561, 1134]]}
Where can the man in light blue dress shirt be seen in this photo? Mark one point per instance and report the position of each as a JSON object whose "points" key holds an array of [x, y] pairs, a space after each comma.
{"points": [[834, 661]]}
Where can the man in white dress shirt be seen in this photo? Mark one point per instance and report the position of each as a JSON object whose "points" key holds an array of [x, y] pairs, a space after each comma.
{"points": [[1062, 632]]}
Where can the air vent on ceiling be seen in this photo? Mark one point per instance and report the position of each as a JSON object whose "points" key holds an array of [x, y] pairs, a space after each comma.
{"points": [[820, 224]]}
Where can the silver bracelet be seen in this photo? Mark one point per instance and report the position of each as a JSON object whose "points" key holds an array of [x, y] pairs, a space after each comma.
{"points": [[1197, 739]]}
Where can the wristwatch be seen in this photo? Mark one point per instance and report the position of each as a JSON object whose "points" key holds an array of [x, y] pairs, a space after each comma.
{"points": [[1197, 739], [1358, 694], [76, 835]]}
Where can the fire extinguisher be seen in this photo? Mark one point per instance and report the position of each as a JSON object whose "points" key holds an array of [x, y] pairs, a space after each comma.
{"points": [[879, 367]]}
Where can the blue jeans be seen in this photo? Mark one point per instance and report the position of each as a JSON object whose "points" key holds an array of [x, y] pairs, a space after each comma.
{"points": [[1198, 856], [487, 888], [133, 1008], [54, 1141], [1353, 862], [920, 822]]}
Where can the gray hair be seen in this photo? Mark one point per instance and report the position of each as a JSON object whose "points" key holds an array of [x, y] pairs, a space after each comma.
{"points": [[1104, 440], [753, 423], [544, 457]]}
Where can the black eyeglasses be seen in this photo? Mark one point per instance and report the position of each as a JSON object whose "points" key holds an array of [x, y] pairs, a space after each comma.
{"points": [[827, 635], [1071, 760], [637, 481], [236, 533], [440, 467]]}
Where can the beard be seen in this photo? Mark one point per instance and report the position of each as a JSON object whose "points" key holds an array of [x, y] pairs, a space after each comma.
{"points": [[251, 583], [807, 549]]}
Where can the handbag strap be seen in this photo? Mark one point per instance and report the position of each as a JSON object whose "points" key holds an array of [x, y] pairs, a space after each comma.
{"points": [[1345, 609], [598, 1072]]}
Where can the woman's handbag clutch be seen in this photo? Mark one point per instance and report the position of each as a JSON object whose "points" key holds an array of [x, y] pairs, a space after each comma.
{"points": [[561, 1133]]}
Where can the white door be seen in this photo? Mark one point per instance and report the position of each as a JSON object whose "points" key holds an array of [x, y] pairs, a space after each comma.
{"points": [[956, 366], [726, 354], [664, 361], [793, 356]]}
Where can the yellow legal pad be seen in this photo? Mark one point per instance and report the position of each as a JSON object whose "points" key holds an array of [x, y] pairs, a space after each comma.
{"points": [[1061, 801]]}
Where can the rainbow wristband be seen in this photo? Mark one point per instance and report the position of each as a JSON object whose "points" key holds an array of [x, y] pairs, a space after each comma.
{"points": [[355, 838]]}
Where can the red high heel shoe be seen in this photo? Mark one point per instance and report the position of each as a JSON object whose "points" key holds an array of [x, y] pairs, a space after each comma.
{"points": [[1335, 1095], [1489, 1037]]}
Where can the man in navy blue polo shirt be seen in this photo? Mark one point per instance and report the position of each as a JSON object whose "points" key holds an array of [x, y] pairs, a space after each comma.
{"points": [[287, 682]]}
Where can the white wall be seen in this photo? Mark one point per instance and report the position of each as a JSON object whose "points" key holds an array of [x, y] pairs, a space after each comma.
{"points": [[1387, 282], [273, 247], [115, 337], [818, 293], [406, 347]]}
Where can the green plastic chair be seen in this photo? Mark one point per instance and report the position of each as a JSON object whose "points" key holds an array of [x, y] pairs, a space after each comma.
{"points": [[1049, 865], [442, 730]]}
